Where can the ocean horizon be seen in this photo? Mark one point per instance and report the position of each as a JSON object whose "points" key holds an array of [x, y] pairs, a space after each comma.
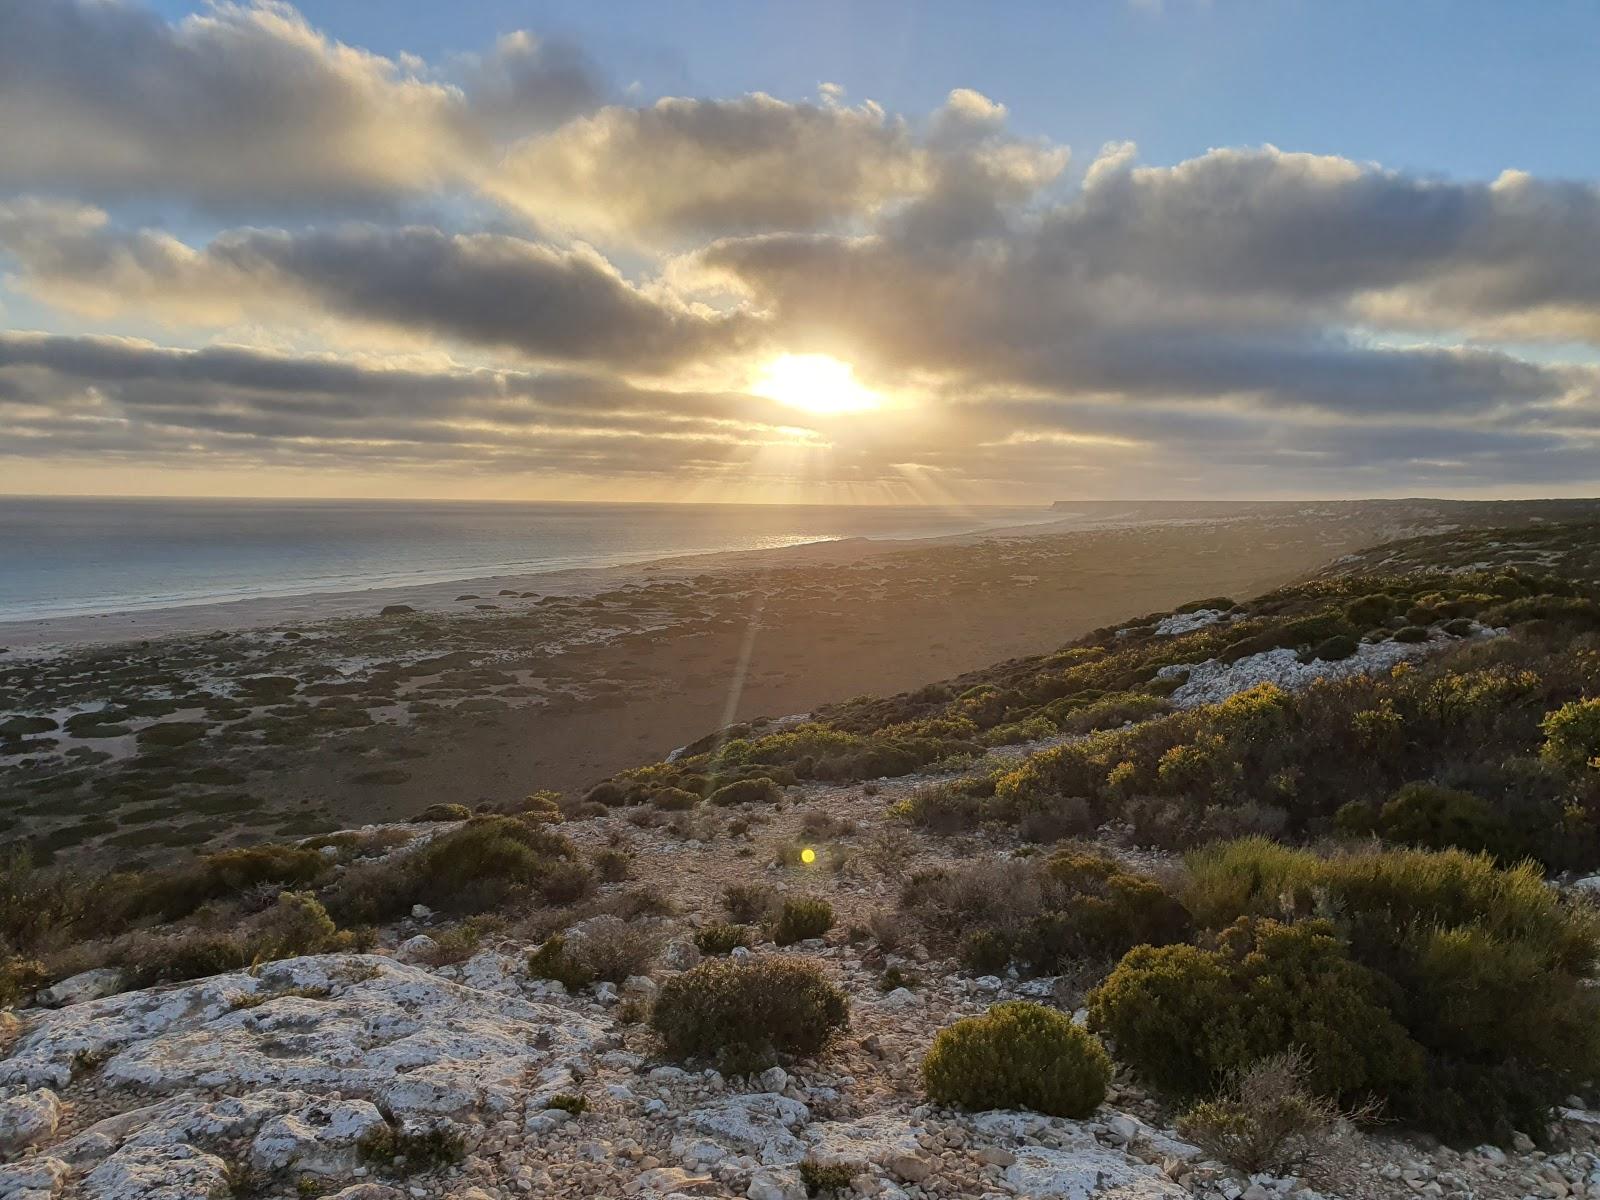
{"points": [[81, 556]]}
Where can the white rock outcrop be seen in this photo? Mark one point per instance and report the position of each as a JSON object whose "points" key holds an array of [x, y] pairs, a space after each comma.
{"points": [[1086, 1172], [359, 1025], [178, 1172], [28, 1118]]}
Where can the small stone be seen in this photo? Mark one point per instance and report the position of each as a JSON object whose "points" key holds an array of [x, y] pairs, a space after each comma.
{"points": [[910, 1167]]}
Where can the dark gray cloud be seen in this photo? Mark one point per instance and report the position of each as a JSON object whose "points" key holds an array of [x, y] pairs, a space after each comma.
{"points": [[494, 290], [70, 396]]}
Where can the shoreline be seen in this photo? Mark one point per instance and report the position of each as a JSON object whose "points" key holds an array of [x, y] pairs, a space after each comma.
{"points": [[22, 636]]}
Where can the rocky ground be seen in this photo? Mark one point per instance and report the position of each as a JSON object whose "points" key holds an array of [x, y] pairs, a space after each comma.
{"points": [[271, 1082]]}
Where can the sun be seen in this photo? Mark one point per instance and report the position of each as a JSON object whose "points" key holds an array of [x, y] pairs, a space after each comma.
{"points": [[815, 383]]}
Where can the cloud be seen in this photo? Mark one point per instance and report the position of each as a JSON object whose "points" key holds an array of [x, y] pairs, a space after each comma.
{"points": [[682, 167], [612, 271], [67, 396], [239, 105], [543, 302]]}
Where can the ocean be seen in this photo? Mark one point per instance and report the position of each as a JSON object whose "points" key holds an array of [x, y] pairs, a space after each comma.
{"points": [[80, 556]]}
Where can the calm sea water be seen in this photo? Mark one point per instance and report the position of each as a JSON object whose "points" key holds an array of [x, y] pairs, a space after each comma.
{"points": [[64, 557]]}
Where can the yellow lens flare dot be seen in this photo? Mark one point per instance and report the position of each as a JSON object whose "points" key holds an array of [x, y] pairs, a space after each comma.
{"points": [[808, 856]]}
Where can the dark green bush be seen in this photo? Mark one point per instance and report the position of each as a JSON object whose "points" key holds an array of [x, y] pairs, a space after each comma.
{"points": [[487, 862], [1185, 1016], [1336, 648], [1422, 814], [1411, 633], [828, 1179], [745, 1014], [178, 892], [760, 790], [1018, 1055], [552, 960], [800, 918], [985, 951], [722, 938], [1486, 969]]}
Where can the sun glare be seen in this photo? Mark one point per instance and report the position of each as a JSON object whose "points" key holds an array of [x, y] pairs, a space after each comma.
{"points": [[815, 383]]}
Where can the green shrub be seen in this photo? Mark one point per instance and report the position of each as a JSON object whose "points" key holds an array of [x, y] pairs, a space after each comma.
{"points": [[745, 1014], [575, 1105], [1097, 908], [176, 893], [760, 790], [1572, 735], [828, 1179], [1185, 1016], [444, 812], [1486, 969], [552, 960], [1336, 648], [296, 924], [1370, 610], [800, 918], [485, 863], [1411, 633], [609, 793], [722, 938], [1422, 814], [1018, 1055], [985, 952], [612, 866]]}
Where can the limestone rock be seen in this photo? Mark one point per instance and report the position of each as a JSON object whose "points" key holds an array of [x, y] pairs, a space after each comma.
{"points": [[76, 989], [416, 949], [177, 1172], [38, 1178], [762, 1124], [775, 1185], [385, 1031], [1084, 1171], [322, 1138], [28, 1118]]}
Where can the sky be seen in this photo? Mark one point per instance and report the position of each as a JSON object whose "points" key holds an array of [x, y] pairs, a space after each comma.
{"points": [[878, 252]]}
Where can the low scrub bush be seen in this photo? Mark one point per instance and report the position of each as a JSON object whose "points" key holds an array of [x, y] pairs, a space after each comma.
{"points": [[760, 790], [801, 918], [1046, 914], [744, 1015], [488, 862], [1572, 735], [1436, 818], [1185, 1016], [444, 812], [176, 893], [830, 1178], [1483, 966], [1018, 1055], [722, 938], [1266, 1119], [749, 903]]}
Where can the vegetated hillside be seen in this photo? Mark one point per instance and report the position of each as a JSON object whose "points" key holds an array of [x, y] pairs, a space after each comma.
{"points": [[1286, 861], [1442, 675]]}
